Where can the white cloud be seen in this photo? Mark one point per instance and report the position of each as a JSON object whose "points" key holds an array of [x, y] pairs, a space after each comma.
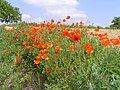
{"points": [[40, 19], [28, 18], [25, 16], [59, 8], [50, 3]]}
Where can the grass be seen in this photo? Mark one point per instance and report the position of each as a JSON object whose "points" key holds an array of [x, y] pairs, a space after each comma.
{"points": [[65, 68]]}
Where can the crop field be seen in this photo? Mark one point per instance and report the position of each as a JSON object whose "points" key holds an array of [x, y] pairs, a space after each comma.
{"points": [[54, 56], [111, 32]]}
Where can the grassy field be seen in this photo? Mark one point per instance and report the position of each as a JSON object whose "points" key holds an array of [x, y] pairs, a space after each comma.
{"points": [[50, 57]]}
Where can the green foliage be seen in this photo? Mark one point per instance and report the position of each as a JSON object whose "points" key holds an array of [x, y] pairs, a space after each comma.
{"points": [[100, 27], [93, 27], [107, 27], [8, 13], [115, 23], [73, 70]]}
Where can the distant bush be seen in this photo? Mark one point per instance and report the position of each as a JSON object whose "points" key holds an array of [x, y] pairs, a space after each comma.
{"points": [[115, 23], [107, 27], [91, 26]]}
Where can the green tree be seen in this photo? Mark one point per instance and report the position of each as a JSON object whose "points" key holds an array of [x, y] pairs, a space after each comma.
{"points": [[115, 23], [8, 13]]}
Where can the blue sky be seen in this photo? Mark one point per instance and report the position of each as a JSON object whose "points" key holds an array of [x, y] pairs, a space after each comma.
{"points": [[98, 12]]}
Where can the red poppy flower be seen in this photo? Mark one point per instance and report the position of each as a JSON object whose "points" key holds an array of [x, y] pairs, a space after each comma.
{"points": [[72, 47], [45, 57], [64, 20], [68, 17], [89, 48], [76, 37], [57, 40], [36, 62], [29, 47], [25, 43], [105, 42], [58, 48], [115, 41]]}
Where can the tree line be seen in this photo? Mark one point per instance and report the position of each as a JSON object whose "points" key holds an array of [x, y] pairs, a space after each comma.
{"points": [[8, 13]]}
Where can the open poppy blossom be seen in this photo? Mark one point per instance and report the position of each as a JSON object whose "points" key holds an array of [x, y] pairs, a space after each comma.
{"points": [[89, 48], [115, 41], [45, 57], [36, 62], [49, 45], [72, 47], [105, 42], [58, 48], [75, 37], [44, 51], [25, 43], [29, 47], [57, 40]]}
